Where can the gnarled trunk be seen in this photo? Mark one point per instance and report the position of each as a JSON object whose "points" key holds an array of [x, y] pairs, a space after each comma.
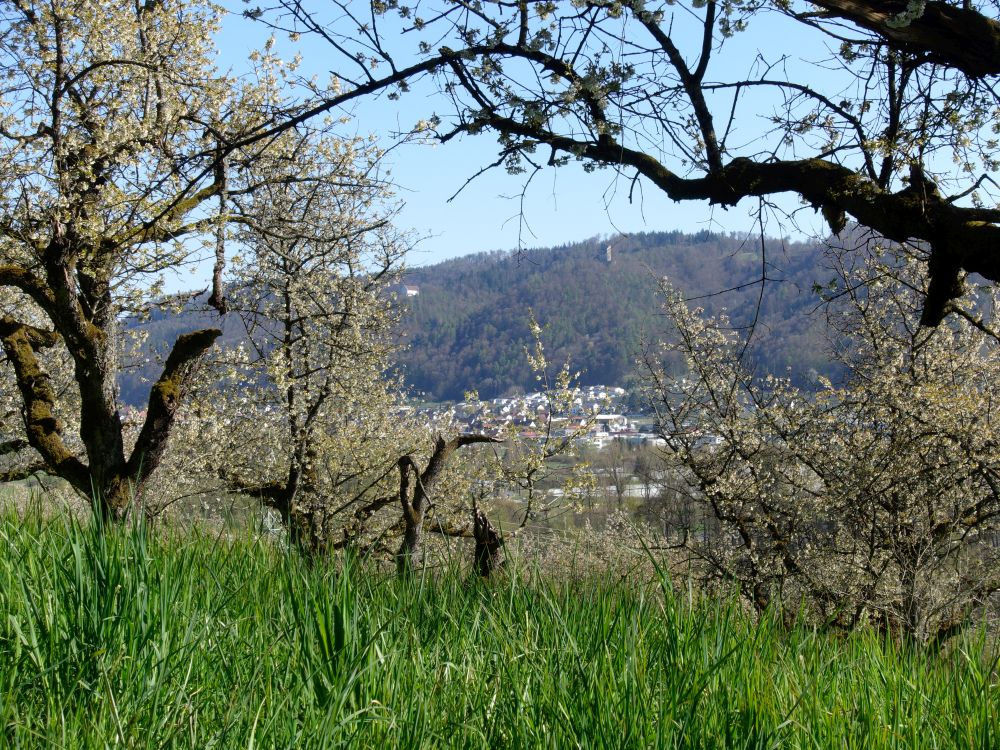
{"points": [[107, 476], [408, 555], [414, 504]]}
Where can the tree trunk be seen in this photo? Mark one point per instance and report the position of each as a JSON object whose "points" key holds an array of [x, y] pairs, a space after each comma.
{"points": [[488, 544], [115, 499], [165, 398], [407, 558], [107, 477], [414, 508], [912, 618]]}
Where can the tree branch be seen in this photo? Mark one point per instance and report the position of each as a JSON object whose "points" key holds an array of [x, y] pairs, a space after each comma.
{"points": [[13, 446], [24, 472], [44, 430], [27, 282], [957, 236], [164, 399], [957, 37], [443, 451]]}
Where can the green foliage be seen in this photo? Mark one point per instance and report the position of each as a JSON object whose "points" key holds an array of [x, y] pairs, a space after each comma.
{"points": [[128, 638]]}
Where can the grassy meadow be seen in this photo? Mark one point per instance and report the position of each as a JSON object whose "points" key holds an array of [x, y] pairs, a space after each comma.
{"points": [[135, 639]]}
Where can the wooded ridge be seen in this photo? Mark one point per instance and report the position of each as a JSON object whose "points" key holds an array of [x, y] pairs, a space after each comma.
{"points": [[467, 325]]}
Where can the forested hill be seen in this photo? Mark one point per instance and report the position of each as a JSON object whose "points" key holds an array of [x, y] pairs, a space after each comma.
{"points": [[468, 326]]}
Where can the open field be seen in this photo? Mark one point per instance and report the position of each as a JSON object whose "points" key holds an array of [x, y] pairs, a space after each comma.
{"points": [[132, 639]]}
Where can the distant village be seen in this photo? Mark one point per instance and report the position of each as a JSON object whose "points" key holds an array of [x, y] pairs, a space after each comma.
{"points": [[595, 416]]}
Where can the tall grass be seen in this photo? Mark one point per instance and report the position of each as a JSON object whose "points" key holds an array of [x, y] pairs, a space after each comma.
{"points": [[125, 638]]}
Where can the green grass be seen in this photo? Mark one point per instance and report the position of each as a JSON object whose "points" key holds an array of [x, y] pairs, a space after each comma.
{"points": [[128, 639]]}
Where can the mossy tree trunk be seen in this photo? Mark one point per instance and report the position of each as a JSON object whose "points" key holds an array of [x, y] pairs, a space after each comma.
{"points": [[107, 475], [109, 179]]}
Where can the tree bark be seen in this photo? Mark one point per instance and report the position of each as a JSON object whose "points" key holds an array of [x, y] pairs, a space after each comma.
{"points": [[958, 37], [43, 429], [165, 398], [407, 558], [488, 544]]}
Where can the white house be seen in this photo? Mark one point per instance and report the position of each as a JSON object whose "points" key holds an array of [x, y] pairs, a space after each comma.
{"points": [[611, 422]]}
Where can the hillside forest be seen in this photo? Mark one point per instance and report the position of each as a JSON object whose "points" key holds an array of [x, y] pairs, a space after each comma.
{"points": [[597, 302], [467, 327]]}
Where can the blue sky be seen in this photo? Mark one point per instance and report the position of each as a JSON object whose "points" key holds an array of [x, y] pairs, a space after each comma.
{"points": [[562, 205]]}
